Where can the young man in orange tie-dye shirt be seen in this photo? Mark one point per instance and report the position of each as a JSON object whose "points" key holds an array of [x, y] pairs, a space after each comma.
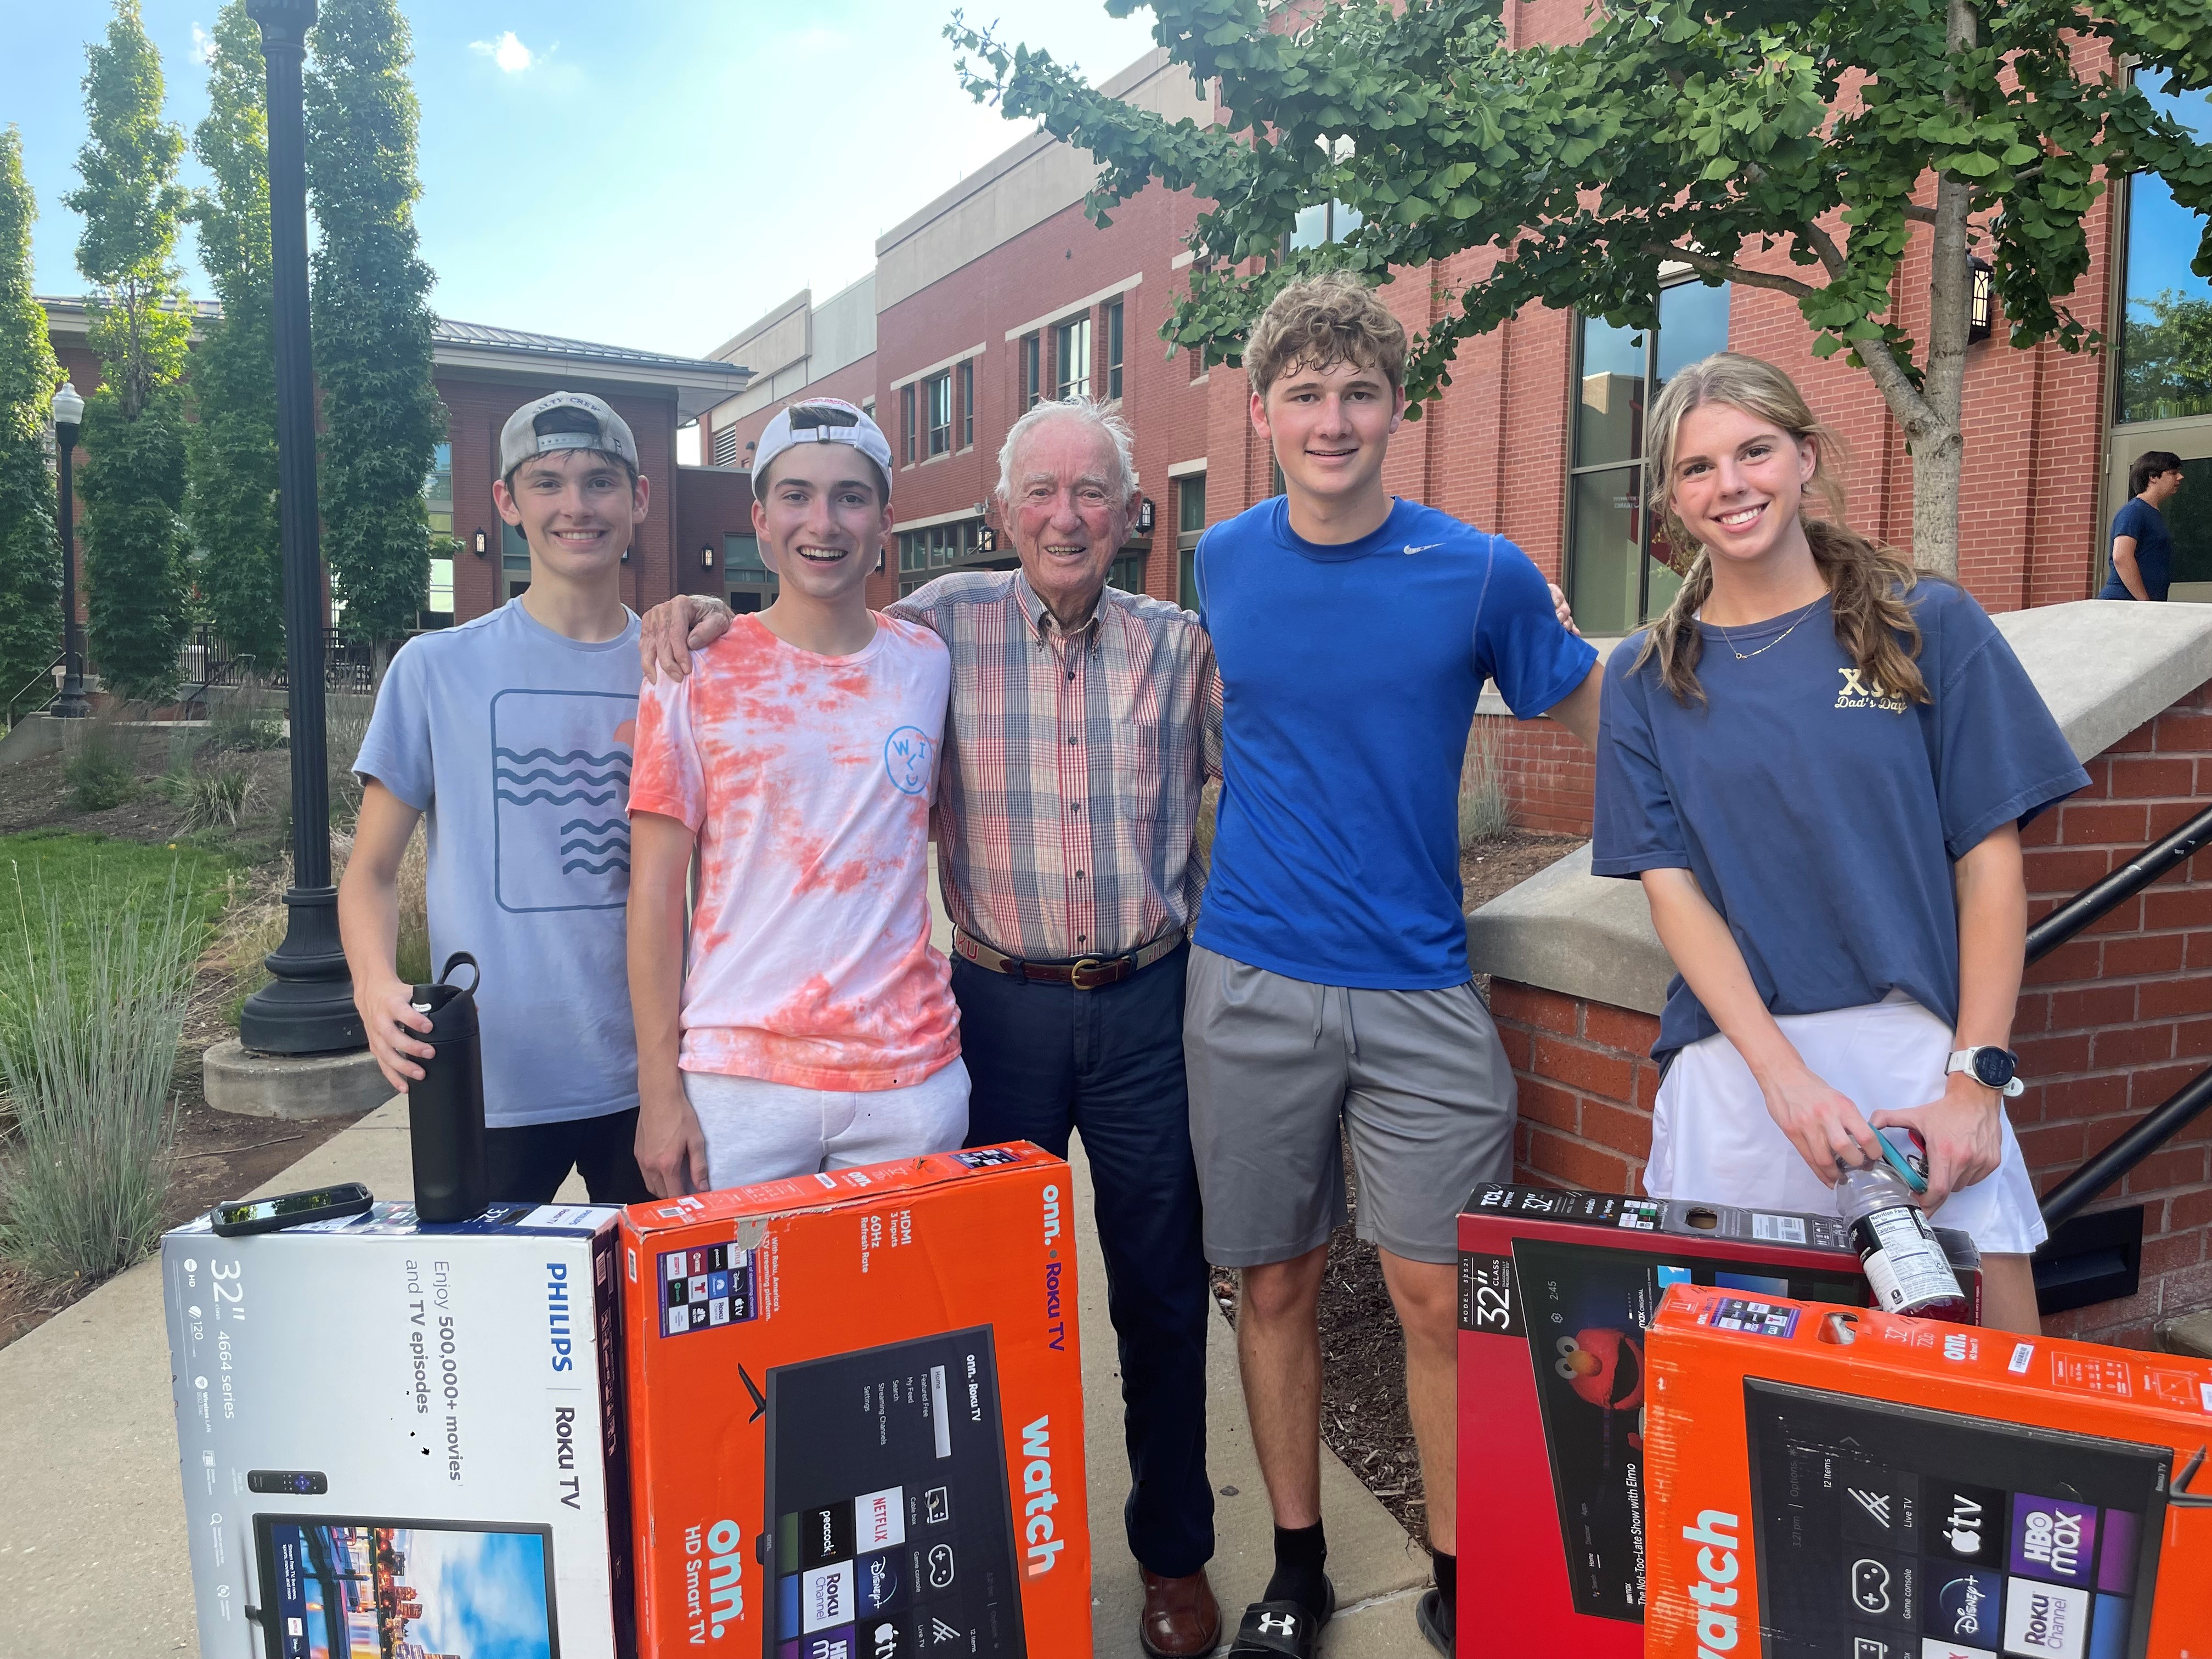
{"points": [[814, 1027]]}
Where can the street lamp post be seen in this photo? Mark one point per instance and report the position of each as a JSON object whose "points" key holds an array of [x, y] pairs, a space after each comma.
{"points": [[69, 414], [307, 1008]]}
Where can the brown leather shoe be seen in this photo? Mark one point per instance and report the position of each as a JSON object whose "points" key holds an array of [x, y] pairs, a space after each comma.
{"points": [[1180, 1618]]}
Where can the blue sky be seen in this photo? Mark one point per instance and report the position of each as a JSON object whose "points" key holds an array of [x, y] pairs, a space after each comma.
{"points": [[654, 174]]}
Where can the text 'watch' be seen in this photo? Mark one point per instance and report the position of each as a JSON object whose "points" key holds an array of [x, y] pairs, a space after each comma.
{"points": [[1990, 1067]]}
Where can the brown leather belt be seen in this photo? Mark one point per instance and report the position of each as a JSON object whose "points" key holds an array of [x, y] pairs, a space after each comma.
{"points": [[1085, 973]]}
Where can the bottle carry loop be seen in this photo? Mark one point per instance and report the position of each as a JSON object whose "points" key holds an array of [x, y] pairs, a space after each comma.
{"points": [[476, 973]]}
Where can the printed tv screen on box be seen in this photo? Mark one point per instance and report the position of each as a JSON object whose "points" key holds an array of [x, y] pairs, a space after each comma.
{"points": [[856, 1414], [1556, 1290], [401, 1440], [1854, 1482]]}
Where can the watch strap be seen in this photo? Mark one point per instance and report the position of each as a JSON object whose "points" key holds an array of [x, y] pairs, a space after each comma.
{"points": [[1962, 1059]]}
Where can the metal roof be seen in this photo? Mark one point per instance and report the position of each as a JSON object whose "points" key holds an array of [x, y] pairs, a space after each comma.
{"points": [[483, 334]]}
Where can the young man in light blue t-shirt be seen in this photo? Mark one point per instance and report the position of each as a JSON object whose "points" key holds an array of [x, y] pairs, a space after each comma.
{"points": [[512, 734], [1328, 992]]}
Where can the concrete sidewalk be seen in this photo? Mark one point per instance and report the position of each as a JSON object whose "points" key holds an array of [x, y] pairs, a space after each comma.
{"points": [[92, 1521]]}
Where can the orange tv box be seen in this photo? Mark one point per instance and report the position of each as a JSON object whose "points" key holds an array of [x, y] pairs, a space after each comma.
{"points": [[856, 1414], [1851, 1482], [1555, 1289]]}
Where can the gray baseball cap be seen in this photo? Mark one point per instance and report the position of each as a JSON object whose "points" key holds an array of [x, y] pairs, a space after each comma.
{"points": [[563, 420], [823, 420]]}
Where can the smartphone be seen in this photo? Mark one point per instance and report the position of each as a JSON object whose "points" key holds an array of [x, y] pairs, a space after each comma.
{"points": [[268, 1215]]}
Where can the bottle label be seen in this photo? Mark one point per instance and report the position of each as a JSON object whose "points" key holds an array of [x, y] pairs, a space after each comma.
{"points": [[1905, 1265]]}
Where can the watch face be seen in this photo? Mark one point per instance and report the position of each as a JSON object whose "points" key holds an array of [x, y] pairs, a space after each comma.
{"points": [[1993, 1067]]}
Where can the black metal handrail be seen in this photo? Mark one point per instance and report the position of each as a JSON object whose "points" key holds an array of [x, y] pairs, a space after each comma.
{"points": [[2162, 1122], [43, 677]]}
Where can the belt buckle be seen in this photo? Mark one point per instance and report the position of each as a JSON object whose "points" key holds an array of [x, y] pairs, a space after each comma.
{"points": [[1084, 964]]}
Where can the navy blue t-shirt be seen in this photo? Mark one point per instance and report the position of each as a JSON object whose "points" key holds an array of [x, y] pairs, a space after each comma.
{"points": [[1819, 814], [1349, 678], [2154, 550]]}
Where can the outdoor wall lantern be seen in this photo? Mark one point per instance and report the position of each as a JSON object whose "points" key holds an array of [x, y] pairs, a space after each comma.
{"points": [[479, 544], [1985, 303], [706, 557], [1144, 515]]}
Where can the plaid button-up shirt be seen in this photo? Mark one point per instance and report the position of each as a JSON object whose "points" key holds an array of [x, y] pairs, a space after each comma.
{"points": [[1068, 793]]}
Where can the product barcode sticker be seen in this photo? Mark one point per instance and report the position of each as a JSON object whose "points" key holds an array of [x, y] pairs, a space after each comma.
{"points": [[1778, 1229], [2021, 1354], [2207, 1389]]}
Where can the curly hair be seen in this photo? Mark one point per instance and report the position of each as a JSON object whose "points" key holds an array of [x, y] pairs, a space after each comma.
{"points": [[1867, 582], [1322, 321]]}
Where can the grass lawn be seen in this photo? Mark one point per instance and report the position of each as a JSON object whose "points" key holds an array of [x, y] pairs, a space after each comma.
{"points": [[112, 874]]}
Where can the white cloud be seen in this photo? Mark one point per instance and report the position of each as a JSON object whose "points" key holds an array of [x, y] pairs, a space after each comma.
{"points": [[203, 46], [507, 51]]}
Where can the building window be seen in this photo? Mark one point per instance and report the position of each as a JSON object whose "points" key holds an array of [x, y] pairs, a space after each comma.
{"points": [[1190, 525], [937, 391], [868, 407], [1617, 578], [1071, 357], [1324, 221], [2165, 340], [906, 423], [927, 553], [1032, 370], [967, 405], [1126, 573], [1114, 347], [725, 447], [438, 490]]}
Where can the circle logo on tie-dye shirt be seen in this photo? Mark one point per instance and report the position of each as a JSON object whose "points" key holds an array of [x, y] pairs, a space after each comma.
{"points": [[910, 757]]}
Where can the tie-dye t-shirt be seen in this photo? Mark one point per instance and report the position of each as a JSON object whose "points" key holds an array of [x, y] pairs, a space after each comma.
{"points": [[808, 780]]}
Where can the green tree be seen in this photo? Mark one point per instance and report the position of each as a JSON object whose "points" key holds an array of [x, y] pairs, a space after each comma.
{"points": [[372, 317], [1797, 145], [133, 481], [30, 558], [231, 449]]}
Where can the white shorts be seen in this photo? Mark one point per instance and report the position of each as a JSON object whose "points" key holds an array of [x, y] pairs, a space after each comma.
{"points": [[759, 1130], [1713, 1138]]}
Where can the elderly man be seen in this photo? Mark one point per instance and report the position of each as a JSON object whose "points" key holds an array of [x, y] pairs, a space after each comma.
{"points": [[1084, 721]]}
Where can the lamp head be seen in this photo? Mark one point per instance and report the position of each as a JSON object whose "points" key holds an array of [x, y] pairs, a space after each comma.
{"points": [[69, 408]]}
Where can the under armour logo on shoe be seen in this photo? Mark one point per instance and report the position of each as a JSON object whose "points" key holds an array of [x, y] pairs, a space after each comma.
{"points": [[1278, 1623]]}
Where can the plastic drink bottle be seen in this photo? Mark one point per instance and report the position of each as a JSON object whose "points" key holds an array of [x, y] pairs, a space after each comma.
{"points": [[1905, 1265], [446, 1110]]}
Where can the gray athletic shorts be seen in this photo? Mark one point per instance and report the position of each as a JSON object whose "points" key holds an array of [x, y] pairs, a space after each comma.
{"points": [[1419, 1079]]}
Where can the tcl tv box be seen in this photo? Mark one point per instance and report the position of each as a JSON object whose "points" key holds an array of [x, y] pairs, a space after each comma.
{"points": [[1555, 1289], [856, 1414], [400, 1440], [1826, 1481]]}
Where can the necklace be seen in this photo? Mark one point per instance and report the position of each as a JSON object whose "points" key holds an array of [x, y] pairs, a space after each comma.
{"points": [[1746, 656]]}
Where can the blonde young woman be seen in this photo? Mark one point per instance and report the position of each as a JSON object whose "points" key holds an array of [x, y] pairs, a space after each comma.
{"points": [[1818, 763]]}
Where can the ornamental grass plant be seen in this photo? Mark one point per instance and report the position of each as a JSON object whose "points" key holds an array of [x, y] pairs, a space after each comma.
{"points": [[95, 994]]}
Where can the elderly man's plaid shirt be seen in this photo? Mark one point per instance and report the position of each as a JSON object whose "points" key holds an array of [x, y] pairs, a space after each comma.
{"points": [[1067, 796]]}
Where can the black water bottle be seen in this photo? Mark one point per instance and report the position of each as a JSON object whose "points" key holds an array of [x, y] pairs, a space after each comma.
{"points": [[446, 1110]]}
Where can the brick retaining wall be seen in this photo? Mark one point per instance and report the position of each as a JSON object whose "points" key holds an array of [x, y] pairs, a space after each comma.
{"points": [[2109, 1026]]}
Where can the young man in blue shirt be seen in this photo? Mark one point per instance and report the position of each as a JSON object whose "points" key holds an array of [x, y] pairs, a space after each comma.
{"points": [[2142, 546], [1328, 989]]}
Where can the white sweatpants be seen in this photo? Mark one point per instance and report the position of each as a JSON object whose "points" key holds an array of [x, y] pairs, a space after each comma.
{"points": [[1713, 1140], [759, 1130]]}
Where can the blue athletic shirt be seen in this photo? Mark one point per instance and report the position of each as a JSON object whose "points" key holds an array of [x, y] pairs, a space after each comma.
{"points": [[1349, 676], [2154, 550], [1819, 814]]}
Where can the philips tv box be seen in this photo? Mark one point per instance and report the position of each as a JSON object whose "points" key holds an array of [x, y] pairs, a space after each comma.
{"points": [[1847, 1481], [856, 1414], [1556, 1290], [401, 1440]]}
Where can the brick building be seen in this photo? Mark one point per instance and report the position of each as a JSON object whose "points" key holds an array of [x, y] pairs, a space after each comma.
{"points": [[483, 374]]}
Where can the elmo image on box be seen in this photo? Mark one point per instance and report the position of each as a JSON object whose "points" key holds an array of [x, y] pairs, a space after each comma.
{"points": [[1556, 1288], [856, 1421], [1858, 1483]]}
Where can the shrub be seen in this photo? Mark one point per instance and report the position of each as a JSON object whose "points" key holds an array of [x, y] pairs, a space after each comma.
{"points": [[210, 800], [237, 721], [88, 1059], [1484, 812], [103, 772]]}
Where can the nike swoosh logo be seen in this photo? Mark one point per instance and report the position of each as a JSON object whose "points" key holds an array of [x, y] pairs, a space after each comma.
{"points": [[1423, 548]]}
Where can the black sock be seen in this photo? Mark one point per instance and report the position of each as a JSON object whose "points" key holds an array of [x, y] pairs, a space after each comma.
{"points": [[1447, 1570], [1300, 1553]]}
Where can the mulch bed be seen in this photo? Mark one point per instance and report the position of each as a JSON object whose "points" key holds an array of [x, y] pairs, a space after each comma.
{"points": [[1364, 1419]]}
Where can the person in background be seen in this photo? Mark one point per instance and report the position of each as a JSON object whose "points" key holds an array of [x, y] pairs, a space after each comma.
{"points": [[2142, 546], [511, 736], [1818, 762]]}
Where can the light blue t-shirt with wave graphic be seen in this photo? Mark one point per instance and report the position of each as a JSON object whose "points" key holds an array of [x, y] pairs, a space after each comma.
{"points": [[514, 742]]}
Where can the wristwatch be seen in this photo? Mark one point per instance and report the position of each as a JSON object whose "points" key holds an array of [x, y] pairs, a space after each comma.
{"points": [[1990, 1067]]}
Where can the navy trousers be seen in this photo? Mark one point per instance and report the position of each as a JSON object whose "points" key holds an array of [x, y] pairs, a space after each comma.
{"points": [[1045, 1059]]}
